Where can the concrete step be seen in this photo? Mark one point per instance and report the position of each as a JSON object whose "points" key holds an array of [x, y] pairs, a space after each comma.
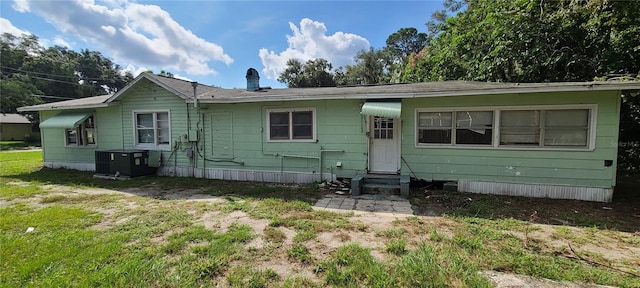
{"points": [[380, 184], [380, 188]]}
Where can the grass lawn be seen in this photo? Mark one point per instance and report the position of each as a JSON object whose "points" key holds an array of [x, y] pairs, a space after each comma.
{"points": [[61, 228], [18, 145]]}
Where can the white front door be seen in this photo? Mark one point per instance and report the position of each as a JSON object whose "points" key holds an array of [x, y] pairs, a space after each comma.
{"points": [[384, 145]]}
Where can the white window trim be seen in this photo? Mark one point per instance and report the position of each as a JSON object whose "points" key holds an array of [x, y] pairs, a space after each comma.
{"points": [[591, 138], [289, 110], [149, 146], [95, 136]]}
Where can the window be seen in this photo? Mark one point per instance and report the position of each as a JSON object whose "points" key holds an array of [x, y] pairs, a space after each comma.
{"points": [[520, 127], [291, 125], [455, 127], [559, 126], [83, 135], [152, 129], [474, 127], [382, 128], [554, 128]]}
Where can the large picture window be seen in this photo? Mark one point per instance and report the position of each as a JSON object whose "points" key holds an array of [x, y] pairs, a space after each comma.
{"points": [[291, 125], [152, 130], [551, 127], [83, 135], [541, 127]]}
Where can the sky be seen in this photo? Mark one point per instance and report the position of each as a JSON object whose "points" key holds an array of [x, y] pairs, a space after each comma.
{"points": [[215, 42]]}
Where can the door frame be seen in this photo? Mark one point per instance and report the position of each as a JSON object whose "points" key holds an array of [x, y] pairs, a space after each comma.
{"points": [[397, 137]]}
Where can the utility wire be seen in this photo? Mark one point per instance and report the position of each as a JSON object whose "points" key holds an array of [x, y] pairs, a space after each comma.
{"points": [[54, 75]]}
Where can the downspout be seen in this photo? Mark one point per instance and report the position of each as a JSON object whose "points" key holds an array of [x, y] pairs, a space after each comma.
{"points": [[194, 146], [204, 144], [42, 140], [134, 128]]}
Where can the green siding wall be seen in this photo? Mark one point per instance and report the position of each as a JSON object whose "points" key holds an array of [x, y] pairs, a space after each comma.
{"points": [[239, 134], [109, 136], [576, 168], [146, 96], [234, 137], [339, 127]]}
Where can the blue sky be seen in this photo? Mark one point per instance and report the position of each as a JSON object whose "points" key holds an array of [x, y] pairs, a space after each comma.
{"points": [[215, 42]]}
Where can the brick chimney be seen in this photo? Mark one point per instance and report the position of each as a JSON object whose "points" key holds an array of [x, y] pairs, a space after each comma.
{"points": [[253, 80]]}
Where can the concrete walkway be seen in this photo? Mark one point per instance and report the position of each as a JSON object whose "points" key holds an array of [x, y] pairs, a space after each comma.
{"points": [[391, 204]]}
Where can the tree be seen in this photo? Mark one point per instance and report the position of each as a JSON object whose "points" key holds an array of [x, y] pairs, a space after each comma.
{"points": [[314, 73], [293, 75], [56, 72], [533, 41], [406, 41], [53, 72], [165, 74], [17, 92], [372, 67]]}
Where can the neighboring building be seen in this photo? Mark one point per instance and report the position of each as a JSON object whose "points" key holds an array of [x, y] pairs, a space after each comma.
{"points": [[15, 127], [556, 140]]}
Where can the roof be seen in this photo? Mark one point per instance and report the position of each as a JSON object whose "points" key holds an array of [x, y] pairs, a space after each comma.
{"points": [[82, 103], [182, 88], [413, 90], [210, 94], [14, 119]]}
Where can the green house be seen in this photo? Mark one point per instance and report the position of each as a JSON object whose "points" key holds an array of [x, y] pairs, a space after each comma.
{"points": [[554, 140]]}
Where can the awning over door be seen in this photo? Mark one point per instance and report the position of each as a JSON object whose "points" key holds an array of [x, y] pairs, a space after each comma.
{"points": [[382, 109], [65, 120]]}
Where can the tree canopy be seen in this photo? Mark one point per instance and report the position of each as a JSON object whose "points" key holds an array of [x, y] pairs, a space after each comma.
{"points": [[31, 74], [531, 41], [313, 73]]}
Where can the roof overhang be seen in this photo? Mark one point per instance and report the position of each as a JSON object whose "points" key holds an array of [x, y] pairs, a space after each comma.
{"points": [[382, 109], [66, 120], [75, 104], [63, 107], [508, 88]]}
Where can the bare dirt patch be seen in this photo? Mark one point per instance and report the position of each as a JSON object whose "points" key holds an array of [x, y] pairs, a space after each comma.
{"points": [[609, 246]]}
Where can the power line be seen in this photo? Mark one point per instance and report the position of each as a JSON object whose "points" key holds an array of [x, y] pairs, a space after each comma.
{"points": [[54, 75], [55, 80], [33, 72]]}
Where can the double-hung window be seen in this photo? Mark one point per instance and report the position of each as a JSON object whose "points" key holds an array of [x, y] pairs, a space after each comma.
{"points": [[291, 125], [152, 130], [82, 135]]}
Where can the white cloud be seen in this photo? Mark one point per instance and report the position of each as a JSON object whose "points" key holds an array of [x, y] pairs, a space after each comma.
{"points": [[61, 42], [7, 27], [135, 71], [182, 77], [142, 34], [21, 5], [311, 42]]}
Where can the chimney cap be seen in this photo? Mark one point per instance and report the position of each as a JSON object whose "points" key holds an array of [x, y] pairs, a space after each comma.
{"points": [[252, 73]]}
